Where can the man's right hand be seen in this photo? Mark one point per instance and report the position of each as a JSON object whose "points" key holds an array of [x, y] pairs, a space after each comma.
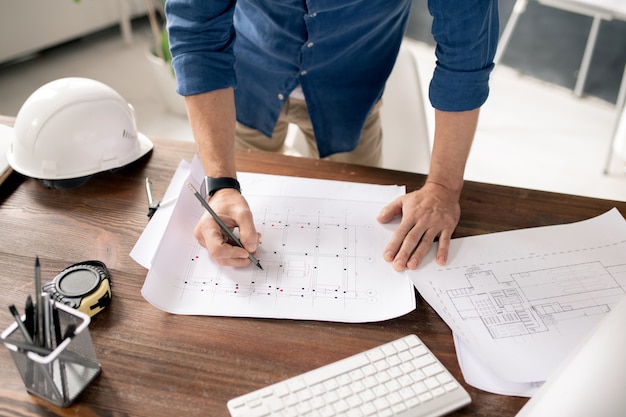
{"points": [[234, 211]]}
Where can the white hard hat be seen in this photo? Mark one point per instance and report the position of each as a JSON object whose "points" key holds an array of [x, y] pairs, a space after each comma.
{"points": [[72, 128]]}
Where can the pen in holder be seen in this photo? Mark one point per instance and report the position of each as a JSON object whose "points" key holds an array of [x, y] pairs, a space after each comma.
{"points": [[61, 369]]}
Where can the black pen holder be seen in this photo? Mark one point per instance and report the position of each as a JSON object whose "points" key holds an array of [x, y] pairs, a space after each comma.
{"points": [[62, 374]]}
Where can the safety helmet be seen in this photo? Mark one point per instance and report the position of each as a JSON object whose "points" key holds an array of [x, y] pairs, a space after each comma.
{"points": [[72, 128]]}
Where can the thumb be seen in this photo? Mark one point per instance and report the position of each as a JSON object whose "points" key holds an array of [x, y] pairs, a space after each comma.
{"points": [[390, 211]]}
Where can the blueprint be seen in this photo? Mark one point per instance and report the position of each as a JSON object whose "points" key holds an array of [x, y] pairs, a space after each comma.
{"points": [[522, 300], [321, 250]]}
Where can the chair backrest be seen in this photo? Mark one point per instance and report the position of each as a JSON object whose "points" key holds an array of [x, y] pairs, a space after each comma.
{"points": [[617, 147], [607, 9], [406, 144], [619, 136]]}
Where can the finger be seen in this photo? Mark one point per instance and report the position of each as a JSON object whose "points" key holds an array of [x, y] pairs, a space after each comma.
{"points": [[420, 252], [248, 236], [390, 211], [395, 243], [217, 243], [443, 248], [228, 255], [241, 218], [208, 233], [197, 232], [413, 251], [411, 243]]}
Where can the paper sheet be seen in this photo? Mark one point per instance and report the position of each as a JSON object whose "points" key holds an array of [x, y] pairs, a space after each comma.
{"points": [[482, 377], [520, 301], [321, 250], [144, 250]]}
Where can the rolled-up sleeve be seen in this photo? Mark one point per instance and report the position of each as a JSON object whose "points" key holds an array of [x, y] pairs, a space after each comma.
{"points": [[201, 36], [466, 33]]}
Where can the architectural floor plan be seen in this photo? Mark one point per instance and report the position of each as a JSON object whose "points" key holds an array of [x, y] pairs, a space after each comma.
{"points": [[530, 302], [321, 251], [521, 300]]}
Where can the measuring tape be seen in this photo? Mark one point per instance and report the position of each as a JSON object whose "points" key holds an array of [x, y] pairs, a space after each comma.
{"points": [[85, 286]]}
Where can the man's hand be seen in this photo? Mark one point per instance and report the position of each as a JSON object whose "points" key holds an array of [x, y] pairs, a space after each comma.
{"points": [[433, 211], [430, 212], [234, 211]]}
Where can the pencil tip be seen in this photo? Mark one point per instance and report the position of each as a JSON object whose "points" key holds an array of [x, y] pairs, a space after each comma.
{"points": [[259, 265]]}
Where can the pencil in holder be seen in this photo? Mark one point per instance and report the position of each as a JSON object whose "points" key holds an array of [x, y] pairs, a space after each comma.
{"points": [[58, 374]]}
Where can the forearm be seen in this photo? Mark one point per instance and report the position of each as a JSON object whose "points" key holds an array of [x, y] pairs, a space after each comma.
{"points": [[212, 118], [454, 133]]}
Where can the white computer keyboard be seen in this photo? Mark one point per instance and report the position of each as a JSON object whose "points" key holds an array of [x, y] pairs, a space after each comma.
{"points": [[400, 378]]}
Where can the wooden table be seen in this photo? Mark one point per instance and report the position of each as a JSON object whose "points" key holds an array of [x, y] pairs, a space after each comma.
{"points": [[158, 364]]}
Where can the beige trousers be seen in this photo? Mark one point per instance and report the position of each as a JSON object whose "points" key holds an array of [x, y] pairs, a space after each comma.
{"points": [[367, 152]]}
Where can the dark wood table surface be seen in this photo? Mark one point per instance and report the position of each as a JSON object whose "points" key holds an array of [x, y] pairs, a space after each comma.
{"points": [[159, 364]]}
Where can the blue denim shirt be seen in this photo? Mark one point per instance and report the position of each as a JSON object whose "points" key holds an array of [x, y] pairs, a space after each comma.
{"points": [[340, 52]]}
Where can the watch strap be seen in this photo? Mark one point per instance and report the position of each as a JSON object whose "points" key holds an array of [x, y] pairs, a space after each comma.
{"points": [[215, 184]]}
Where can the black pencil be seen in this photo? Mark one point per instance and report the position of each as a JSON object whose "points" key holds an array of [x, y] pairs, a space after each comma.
{"points": [[39, 331], [20, 324]]}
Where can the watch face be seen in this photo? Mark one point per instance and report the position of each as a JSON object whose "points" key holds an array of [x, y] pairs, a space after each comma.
{"points": [[78, 282]]}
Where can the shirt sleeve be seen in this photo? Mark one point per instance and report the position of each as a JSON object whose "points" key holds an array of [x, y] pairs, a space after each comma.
{"points": [[466, 33], [201, 36]]}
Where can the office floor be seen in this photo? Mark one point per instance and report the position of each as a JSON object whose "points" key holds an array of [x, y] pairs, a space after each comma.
{"points": [[532, 133]]}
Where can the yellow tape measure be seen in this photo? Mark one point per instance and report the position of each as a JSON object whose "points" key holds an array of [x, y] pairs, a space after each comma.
{"points": [[85, 286]]}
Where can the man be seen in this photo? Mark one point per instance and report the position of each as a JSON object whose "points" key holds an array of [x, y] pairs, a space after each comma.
{"points": [[253, 60]]}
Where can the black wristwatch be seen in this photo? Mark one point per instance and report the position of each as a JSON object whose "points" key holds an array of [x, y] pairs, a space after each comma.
{"points": [[215, 184]]}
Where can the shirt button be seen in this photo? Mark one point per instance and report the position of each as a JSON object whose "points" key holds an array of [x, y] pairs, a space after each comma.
{"points": [[313, 14], [303, 72], [281, 96], [310, 45]]}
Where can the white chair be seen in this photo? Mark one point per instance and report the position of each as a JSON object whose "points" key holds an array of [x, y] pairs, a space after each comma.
{"points": [[617, 147], [406, 144], [597, 9], [295, 143]]}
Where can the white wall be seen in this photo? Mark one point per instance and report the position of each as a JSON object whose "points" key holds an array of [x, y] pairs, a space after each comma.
{"points": [[27, 26]]}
